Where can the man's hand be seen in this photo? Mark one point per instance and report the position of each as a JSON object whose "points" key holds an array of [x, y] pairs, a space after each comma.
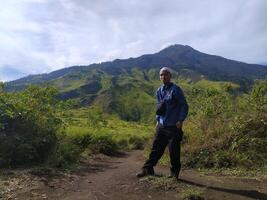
{"points": [[157, 125], [179, 125]]}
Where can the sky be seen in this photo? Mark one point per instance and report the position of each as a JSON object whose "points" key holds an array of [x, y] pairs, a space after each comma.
{"points": [[40, 36]]}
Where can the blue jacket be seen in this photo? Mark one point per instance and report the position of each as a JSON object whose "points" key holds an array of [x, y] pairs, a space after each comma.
{"points": [[176, 105]]}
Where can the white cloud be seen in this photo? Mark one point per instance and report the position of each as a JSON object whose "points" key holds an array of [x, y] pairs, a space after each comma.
{"points": [[39, 36]]}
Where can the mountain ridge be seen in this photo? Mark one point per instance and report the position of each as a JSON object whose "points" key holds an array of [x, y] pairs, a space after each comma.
{"points": [[175, 56]]}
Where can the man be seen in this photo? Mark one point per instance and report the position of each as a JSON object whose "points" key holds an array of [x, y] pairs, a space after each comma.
{"points": [[169, 125]]}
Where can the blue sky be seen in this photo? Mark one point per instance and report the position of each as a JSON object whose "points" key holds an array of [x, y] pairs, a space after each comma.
{"points": [[40, 36]]}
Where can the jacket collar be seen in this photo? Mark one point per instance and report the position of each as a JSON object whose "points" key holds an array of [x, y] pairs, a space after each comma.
{"points": [[167, 86]]}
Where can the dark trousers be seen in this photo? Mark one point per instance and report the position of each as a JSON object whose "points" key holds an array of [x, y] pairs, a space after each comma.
{"points": [[164, 136]]}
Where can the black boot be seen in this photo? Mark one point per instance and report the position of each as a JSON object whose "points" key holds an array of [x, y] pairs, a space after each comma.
{"points": [[174, 174], [145, 172]]}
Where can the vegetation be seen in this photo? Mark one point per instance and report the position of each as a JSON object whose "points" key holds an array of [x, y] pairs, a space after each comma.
{"points": [[117, 113], [192, 193], [36, 127], [235, 127], [91, 130], [28, 126]]}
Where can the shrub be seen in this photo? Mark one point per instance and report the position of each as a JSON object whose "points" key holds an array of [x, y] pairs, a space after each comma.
{"points": [[226, 132], [137, 142], [28, 126], [103, 143], [67, 153]]}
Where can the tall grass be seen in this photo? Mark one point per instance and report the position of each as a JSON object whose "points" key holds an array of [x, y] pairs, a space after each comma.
{"points": [[224, 131], [97, 133]]}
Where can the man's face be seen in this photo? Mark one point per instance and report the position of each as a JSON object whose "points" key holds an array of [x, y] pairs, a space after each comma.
{"points": [[165, 77]]}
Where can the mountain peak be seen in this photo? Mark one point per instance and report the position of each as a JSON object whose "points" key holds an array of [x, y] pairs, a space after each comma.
{"points": [[180, 46], [177, 48]]}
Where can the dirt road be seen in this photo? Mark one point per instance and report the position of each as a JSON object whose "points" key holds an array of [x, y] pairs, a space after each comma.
{"points": [[113, 178]]}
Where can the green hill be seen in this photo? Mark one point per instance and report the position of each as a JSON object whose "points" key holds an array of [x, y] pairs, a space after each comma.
{"points": [[183, 59]]}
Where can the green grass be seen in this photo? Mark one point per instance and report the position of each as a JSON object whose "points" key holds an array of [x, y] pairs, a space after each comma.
{"points": [[126, 135], [235, 172], [65, 84], [218, 85], [192, 193], [88, 129]]}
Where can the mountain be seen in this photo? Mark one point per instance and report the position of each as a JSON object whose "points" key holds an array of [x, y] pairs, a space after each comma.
{"points": [[127, 86], [176, 56]]}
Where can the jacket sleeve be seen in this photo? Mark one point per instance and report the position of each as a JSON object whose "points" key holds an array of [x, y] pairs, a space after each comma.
{"points": [[182, 103], [157, 102]]}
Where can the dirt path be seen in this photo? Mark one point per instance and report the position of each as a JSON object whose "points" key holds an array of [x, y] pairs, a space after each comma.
{"points": [[114, 178]]}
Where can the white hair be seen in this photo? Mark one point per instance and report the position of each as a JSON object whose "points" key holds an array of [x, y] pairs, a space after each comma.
{"points": [[165, 69]]}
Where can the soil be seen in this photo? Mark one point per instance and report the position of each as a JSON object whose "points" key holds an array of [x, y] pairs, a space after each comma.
{"points": [[102, 177]]}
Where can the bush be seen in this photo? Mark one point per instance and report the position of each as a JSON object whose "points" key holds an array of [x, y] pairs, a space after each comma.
{"points": [[103, 143], [250, 142], [137, 142], [28, 126], [235, 129], [66, 154]]}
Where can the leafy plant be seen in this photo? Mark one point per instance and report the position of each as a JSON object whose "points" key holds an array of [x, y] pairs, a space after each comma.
{"points": [[28, 126]]}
